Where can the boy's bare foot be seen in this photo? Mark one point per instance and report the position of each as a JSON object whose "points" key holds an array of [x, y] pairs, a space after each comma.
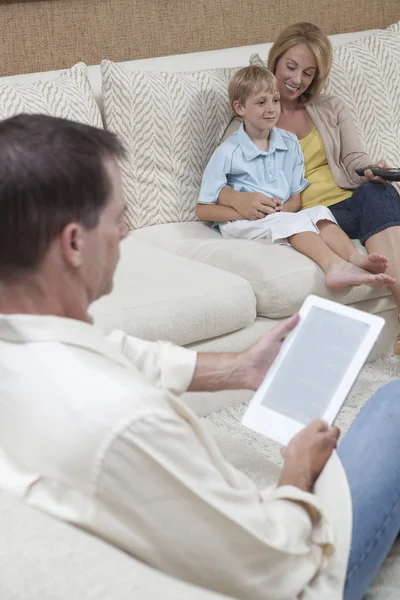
{"points": [[344, 274], [374, 263]]}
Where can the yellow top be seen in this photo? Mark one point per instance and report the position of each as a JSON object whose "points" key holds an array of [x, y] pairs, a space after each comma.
{"points": [[323, 188]]}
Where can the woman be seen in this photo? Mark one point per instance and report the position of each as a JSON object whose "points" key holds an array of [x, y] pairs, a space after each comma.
{"points": [[365, 208]]}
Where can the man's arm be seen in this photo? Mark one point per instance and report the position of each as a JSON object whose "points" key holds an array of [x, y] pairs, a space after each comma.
{"points": [[184, 509], [245, 370], [179, 369]]}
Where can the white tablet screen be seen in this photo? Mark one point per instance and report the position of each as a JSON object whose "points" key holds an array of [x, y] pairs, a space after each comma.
{"points": [[315, 364]]}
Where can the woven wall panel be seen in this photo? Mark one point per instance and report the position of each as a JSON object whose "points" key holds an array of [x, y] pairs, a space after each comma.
{"points": [[54, 34]]}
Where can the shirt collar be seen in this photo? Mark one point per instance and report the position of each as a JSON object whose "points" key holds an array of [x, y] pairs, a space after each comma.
{"points": [[20, 329], [250, 150]]}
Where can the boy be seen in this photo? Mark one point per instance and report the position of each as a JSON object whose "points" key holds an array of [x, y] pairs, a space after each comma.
{"points": [[262, 159]]}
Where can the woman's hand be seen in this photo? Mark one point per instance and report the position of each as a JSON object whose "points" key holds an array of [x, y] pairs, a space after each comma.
{"points": [[369, 176], [254, 205], [307, 454]]}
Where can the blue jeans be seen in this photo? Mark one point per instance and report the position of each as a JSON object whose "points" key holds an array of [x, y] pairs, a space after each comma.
{"points": [[371, 208], [370, 454]]}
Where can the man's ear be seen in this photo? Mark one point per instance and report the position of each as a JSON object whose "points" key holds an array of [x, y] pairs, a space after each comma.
{"points": [[238, 108], [72, 244]]}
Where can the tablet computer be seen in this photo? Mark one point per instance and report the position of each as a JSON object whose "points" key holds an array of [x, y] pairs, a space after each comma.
{"points": [[315, 369]]}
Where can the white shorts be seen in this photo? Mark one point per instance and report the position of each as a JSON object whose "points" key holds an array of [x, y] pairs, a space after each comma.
{"points": [[278, 226]]}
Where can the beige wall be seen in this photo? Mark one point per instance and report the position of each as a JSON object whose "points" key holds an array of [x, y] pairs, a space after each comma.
{"points": [[39, 35]]}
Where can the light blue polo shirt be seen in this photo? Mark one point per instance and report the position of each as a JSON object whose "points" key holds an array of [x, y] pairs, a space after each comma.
{"points": [[238, 163]]}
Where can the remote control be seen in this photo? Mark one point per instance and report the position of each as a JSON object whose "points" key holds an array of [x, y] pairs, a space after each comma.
{"points": [[390, 174]]}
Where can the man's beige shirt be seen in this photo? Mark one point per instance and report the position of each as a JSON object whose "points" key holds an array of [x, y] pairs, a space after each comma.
{"points": [[92, 431]]}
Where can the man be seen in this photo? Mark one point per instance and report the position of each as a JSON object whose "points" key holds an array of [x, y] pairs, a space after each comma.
{"points": [[92, 429]]}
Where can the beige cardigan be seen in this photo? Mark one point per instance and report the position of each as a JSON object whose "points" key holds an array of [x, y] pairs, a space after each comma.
{"points": [[343, 148]]}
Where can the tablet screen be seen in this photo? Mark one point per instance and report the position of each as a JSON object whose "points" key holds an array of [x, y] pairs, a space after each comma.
{"points": [[315, 364]]}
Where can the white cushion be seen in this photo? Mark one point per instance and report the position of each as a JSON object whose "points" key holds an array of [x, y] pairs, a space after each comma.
{"points": [[69, 96], [280, 277], [158, 295], [170, 123], [366, 74]]}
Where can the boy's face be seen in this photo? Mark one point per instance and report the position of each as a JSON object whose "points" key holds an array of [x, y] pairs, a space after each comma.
{"points": [[260, 112]]}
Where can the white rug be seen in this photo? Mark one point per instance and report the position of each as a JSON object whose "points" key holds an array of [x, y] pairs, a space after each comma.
{"points": [[248, 450]]}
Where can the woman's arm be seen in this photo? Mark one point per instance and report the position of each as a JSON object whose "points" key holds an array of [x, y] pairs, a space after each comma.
{"points": [[250, 205], [216, 212], [352, 152], [292, 205]]}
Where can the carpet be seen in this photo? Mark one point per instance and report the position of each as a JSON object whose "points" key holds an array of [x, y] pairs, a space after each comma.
{"points": [[248, 450]]}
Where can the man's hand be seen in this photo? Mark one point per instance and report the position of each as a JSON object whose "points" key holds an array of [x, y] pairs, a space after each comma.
{"points": [[307, 454], [258, 359], [240, 371], [369, 176], [254, 205]]}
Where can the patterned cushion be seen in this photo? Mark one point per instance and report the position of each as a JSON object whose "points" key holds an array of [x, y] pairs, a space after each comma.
{"points": [[366, 75], [69, 96], [170, 124]]}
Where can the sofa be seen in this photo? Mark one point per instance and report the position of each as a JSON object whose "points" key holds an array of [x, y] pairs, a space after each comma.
{"points": [[177, 279]]}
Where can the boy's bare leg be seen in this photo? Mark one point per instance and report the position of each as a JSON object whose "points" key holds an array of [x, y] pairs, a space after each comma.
{"points": [[338, 272], [340, 243]]}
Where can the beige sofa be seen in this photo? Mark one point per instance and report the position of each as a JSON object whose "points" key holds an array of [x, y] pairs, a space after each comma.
{"points": [[178, 281]]}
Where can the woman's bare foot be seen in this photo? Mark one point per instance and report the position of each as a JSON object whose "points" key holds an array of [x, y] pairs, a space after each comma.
{"points": [[344, 274], [374, 263]]}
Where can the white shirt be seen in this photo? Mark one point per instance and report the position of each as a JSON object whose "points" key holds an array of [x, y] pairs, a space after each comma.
{"points": [[92, 431]]}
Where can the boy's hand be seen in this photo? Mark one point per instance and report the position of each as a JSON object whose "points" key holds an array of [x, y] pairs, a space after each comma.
{"points": [[254, 205]]}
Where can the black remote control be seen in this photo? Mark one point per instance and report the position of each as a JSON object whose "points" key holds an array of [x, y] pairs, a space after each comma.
{"points": [[390, 174]]}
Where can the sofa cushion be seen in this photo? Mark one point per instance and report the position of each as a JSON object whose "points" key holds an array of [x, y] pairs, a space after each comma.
{"points": [[44, 559], [158, 295], [69, 96], [280, 277], [170, 124], [366, 75]]}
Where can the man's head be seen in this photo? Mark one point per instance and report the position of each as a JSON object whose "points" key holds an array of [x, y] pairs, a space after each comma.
{"points": [[61, 202], [254, 95]]}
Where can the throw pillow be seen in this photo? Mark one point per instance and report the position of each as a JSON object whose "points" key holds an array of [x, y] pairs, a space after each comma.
{"points": [[69, 96], [366, 75], [170, 123]]}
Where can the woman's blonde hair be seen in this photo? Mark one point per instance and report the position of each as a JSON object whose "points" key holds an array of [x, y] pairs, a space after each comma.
{"points": [[311, 36], [249, 81]]}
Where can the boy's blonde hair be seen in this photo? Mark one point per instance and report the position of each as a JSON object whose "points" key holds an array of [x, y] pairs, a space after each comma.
{"points": [[249, 81], [314, 38]]}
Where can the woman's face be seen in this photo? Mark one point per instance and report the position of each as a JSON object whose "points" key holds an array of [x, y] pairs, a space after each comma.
{"points": [[295, 71]]}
